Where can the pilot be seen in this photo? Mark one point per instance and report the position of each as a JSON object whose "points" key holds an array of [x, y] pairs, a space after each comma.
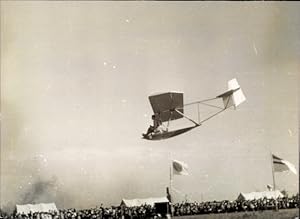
{"points": [[150, 130], [156, 121], [156, 127]]}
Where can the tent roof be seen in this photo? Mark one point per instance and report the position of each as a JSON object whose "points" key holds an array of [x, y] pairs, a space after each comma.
{"points": [[42, 207], [139, 202], [259, 195]]}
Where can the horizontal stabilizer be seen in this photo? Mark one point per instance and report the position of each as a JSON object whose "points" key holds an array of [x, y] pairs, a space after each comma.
{"points": [[234, 96]]}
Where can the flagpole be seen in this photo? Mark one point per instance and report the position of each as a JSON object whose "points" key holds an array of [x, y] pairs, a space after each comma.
{"points": [[171, 178], [170, 184], [273, 175]]}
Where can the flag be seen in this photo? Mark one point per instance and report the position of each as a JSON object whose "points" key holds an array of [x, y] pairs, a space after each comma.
{"points": [[270, 187], [281, 165], [180, 168]]}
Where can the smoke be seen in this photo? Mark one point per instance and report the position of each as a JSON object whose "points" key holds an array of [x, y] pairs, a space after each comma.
{"points": [[42, 190]]}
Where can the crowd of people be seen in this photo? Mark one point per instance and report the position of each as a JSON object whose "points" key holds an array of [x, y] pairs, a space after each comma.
{"points": [[119, 212], [148, 211], [234, 206]]}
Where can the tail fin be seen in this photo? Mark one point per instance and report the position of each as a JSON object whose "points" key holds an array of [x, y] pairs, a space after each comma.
{"points": [[238, 95], [234, 96]]}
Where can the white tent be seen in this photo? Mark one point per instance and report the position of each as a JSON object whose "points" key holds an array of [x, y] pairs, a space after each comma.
{"points": [[147, 201], [259, 195], [42, 207]]}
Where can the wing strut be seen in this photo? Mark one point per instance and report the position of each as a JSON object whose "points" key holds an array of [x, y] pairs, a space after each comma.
{"points": [[227, 103], [203, 102], [197, 124]]}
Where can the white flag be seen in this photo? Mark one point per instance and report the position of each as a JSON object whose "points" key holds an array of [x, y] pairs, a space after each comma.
{"points": [[281, 165], [270, 187], [180, 168]]}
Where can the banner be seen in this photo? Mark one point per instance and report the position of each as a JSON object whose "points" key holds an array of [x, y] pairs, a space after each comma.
{"points": [[179, 168], [281, 165]]}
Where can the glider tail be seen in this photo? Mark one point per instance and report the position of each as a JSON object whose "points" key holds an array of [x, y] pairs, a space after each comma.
{"points": [[238, 95], [234, 96]]}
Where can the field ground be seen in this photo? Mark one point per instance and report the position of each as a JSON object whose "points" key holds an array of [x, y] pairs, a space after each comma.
{"points": [[282, 214]]}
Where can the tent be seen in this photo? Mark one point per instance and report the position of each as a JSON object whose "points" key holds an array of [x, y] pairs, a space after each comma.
{"points": [[161, 204], [42, 207], [147, 201], [259, 195]]}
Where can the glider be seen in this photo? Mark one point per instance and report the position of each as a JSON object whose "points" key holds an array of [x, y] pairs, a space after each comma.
{"points": [[169, 106]]}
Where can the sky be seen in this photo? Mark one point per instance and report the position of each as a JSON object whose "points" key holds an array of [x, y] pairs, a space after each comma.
{"points": [[75, 81]]}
